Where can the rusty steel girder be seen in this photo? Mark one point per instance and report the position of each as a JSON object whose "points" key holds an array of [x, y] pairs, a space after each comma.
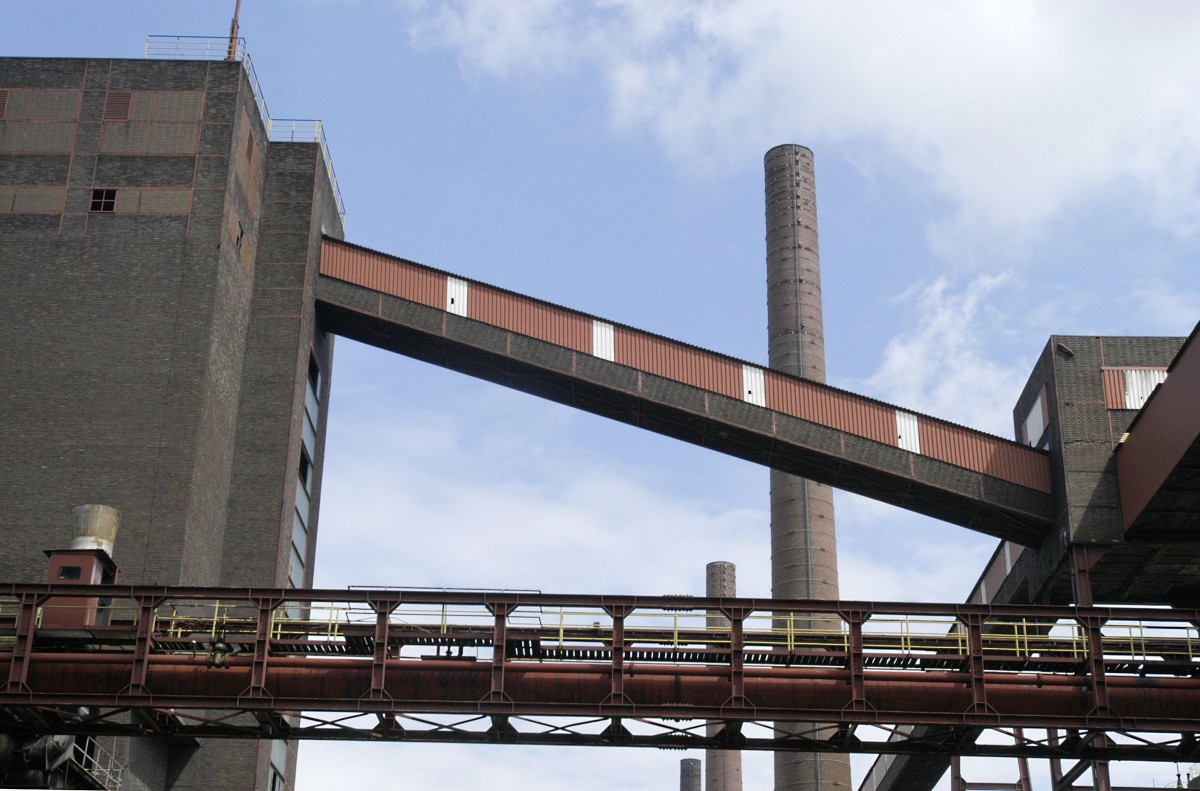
{"points": [[265, 655]]}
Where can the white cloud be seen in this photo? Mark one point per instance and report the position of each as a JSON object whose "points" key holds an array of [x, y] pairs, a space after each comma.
{"points": [[1012, 113], [944, 365], [1164, 307]]}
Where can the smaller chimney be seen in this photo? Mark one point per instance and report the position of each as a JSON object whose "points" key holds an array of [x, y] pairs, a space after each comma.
{"points": [[88, 561], [689, 774], [95, 527]]}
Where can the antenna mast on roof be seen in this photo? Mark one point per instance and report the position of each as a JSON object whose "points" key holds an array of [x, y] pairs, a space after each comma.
{"points": [[233, 33]]}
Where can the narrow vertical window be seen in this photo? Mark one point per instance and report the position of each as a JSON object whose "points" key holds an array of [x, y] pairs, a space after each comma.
{"points": [[314, 375], [103, 200], [250, 145], [117, 105]]}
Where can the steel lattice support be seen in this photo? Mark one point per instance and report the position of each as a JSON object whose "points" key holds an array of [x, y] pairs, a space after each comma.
{"points": [[645, 671]]}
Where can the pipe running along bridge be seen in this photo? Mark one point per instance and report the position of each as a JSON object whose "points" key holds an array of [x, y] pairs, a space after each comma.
{"points": [[530, 668]]}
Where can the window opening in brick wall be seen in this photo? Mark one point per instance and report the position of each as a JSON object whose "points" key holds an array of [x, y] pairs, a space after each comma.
{"points": [[305, 471], [314, 375], [117, 105], [103, 200], [250, 145], [3, 102], [241, 232]]}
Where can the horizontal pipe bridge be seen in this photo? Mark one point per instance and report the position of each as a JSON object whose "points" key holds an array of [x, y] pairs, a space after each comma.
{"points": [[404, 654]]}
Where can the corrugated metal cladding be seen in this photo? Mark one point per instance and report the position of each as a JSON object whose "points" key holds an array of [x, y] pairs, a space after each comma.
{"points": [[672, 360], [984, 453], [1139, 385], [1128, 388], [754, 385], [603, 345], [535, 319], [384, 274], [456, 296], [842, 411], [908, 433], [800, 398]]}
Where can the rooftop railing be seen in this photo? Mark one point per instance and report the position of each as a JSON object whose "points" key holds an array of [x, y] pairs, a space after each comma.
{"points": [[279, 130]]}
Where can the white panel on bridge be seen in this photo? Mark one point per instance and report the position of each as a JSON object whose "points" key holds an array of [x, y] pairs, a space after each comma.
{"points": [[908, 436], [456, 296], [754, 385], [603, 345]]}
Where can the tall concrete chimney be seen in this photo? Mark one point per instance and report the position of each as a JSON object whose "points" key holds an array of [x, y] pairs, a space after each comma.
{"points": [[689, 774], [803, 544], [722, 768]]}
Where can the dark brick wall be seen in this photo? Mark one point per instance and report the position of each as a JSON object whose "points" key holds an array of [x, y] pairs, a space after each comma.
{"points": [[158, 355], [123, 332], [1083, 434]]}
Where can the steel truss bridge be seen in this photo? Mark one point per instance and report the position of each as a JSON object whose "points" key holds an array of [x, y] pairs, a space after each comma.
{"points": [[1099, 683]]}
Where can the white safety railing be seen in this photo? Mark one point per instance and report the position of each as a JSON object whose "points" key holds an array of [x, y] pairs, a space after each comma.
{"points": [[278, 130], [91, 757]]}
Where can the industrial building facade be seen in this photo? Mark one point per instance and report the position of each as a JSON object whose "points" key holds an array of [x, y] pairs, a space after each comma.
{"points": [[158, 255], [172, 277]]}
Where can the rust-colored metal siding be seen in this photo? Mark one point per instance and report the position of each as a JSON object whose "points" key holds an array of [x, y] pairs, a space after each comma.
{"points": [[804, 399], [384, 274], [1123, 391], [526, 317], [672, 360], [1164, 431], [843, 411], [1114, 387], [993, 456]]}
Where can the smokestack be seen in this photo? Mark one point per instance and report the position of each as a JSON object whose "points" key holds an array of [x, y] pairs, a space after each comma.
{"points": [[95, 527], [803, 543], [723, 768], [689, 774]]}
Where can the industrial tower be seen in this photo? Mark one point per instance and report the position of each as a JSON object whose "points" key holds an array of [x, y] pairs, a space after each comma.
{"points": [[160, 252], [172, 278]]}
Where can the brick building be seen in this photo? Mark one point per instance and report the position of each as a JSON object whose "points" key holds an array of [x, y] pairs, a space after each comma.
{"points": [[158, 253]]}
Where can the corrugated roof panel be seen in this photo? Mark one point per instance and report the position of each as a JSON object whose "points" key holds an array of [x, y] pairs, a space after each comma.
{"points": [[384, 274], [754, 388], [993, 456], [908, 432], [1114, 387], [685, 364], [829, 407], [1139, 384], [537, 320], [602, 340], [456, 296]]}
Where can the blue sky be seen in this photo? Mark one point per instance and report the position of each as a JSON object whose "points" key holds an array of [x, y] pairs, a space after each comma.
{"points": [[988, 174]]}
